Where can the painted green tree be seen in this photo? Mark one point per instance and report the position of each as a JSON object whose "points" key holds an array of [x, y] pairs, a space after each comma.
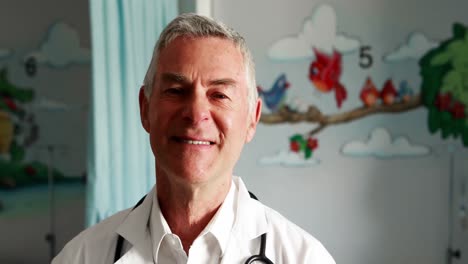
{"points": [[444, 72]]}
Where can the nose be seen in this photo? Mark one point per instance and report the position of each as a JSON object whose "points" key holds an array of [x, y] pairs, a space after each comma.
{"points": [[196, 108]]}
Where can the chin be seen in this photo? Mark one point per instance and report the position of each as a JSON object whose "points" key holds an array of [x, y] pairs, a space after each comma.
{"points": [[189, 174]]}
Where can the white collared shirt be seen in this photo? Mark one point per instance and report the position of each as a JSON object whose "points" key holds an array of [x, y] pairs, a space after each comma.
{"points": [[207, 248]]}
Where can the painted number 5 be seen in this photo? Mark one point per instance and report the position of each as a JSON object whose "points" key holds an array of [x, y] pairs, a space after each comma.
{"points": [[365, 58]]}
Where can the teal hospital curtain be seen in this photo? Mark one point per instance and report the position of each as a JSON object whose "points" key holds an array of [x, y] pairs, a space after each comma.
{"points": [[120, 162]]}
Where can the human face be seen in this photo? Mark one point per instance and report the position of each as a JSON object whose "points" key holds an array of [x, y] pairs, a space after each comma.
{"points": [[197, 115]]}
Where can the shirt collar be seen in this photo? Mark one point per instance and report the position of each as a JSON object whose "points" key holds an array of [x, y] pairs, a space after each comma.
{"points": [[223, 218], [158, 226]]}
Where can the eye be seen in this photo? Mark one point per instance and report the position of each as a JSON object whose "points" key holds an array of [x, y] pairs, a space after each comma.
{"points": [[314, 71], [219, 96], [174, 91]]}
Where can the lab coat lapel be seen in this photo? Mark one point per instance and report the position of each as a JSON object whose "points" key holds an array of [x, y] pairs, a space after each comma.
{"points": [[249, 225], [138, 254], [134, 229]]}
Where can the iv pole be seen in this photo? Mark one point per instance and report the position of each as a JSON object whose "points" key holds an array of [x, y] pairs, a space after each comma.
{"points": [[50, 236], [451, 252]]}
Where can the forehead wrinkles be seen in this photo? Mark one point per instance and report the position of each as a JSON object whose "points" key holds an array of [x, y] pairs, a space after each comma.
{"points": [[176, 58]]}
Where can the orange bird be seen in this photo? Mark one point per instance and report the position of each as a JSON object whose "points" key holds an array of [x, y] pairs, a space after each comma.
{"points": [[325, 72]]}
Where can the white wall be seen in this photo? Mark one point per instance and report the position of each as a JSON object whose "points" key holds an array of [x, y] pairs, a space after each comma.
{"points": [[364, 210]]}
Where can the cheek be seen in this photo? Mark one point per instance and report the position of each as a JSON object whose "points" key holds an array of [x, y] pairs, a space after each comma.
{"points": [[236, 126]]}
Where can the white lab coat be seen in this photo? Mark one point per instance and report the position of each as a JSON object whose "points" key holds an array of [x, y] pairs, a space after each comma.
{"points": [[286, 242]]}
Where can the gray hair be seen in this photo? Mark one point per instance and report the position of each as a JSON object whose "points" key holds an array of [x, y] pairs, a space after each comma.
{"points": [[196, 26]]}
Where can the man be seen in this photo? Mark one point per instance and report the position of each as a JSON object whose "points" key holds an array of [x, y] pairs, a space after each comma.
{"points": [[199, 105]]}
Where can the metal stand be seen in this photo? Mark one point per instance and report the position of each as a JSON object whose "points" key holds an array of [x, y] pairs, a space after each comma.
{"points": [[50, 236], [451, 252]]}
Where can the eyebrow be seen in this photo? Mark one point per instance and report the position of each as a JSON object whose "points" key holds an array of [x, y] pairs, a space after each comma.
{"points": [[223, 82], [174, 77], [179, 78]]}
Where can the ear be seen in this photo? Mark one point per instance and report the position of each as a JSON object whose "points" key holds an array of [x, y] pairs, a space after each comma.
{"points": [[255, 117], [144, 107]]}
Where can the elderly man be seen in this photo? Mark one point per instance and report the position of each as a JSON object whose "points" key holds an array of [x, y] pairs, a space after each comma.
{"points": [[199, 105]]}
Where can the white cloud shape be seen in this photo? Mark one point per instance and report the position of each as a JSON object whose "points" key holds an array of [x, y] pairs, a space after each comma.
{"points": [[5, 53], [415, 47], [380, 145], [288, 159], [50, 105], [318, 31], [61, 47]]}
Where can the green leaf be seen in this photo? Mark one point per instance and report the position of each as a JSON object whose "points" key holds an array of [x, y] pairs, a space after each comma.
{"points": [[465, 136], [296, 137], [433, 120], [22, 95], [303, 144], [307, 153], [445, 119], [459, 31], [441, 59], [16, 152]]}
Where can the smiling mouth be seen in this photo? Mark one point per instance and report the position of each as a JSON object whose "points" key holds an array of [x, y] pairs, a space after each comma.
{"points": [[193, 142]]}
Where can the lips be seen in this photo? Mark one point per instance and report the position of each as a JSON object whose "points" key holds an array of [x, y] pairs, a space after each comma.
{"points": [[192, 141]]}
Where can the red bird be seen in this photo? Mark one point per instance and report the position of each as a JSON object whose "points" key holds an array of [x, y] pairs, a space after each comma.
{"points": [[388, 93], [369, 93], [325, 72]]}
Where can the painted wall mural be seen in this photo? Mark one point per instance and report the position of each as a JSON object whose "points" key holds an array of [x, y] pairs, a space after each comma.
{"points": [[44, 87], [18, 127], [18, 132], [443, 90], [60, 48]]}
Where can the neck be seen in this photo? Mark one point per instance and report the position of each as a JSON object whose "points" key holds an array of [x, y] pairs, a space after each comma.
{"points": [[188, 208]]}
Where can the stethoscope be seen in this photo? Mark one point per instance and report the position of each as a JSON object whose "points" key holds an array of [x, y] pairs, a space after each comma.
{"points": [[261, 257]]}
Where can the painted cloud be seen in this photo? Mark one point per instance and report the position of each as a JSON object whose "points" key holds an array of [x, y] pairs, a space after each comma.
{"points": [[380, 145], [416, 46], [318, 31], [51, 105], [288, 159], [61, 47], [5, 53]]}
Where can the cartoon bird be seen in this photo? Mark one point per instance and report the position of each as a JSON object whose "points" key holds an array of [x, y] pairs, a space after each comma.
{"points": [[369, 93], [405, 92], [388, 93], [275, 97], [325, 73]]}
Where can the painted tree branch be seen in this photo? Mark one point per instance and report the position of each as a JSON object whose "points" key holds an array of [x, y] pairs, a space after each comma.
{"points": [[314, 115]]}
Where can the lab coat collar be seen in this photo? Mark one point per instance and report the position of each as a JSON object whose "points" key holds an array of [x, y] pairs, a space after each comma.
{"points": [[251, 220], [221, 224], [134, 229], [250, 224]]}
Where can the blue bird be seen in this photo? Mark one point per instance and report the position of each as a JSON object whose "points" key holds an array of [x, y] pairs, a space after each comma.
{"points": [[405, 92], [275, 97]]}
